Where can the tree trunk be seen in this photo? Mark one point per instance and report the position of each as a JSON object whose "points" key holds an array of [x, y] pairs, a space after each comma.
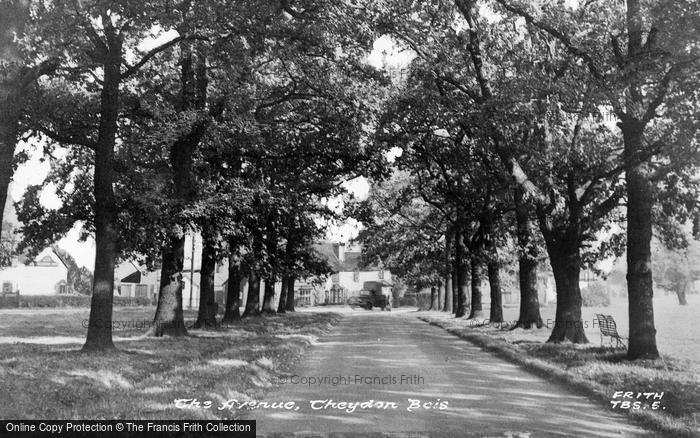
{"points": [[529, 314], [99, 335], [290, 294], [455, 289], [441, 297], [477, 311], [233, 292], [281, 306], [272, 251], [433, 299], [206, 316], [10, 108], [448, 273], [14, 80], [269, 296], [170, 319], [680, 293], [640, 289], [568, 325], [252, 304], [496, 314], [461, 269]]}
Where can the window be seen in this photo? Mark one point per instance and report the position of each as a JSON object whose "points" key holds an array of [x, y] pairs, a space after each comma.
{"points": [[46, 261], [7, 287], [356, 276], [381, 274], [335, 278], [303, 297], [126, 290], [141, 290]]}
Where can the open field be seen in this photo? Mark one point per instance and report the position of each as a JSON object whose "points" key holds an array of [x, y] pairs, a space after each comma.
{"points": [[601, 371], [677, 327], [51, 379]]}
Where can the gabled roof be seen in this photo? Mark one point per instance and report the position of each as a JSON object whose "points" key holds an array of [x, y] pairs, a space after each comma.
{"points": [[352, 258], [24, 258]]}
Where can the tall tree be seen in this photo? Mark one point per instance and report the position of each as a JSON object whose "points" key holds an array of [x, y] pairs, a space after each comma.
{"points": [[660, 56], [17, 74], [528, 260], [96, 37]]}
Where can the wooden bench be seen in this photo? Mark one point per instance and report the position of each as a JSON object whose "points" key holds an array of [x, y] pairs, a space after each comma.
{"points": [[608, 328]]}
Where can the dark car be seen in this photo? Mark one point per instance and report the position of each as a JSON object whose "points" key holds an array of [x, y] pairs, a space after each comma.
{"points": [[368, 300]]}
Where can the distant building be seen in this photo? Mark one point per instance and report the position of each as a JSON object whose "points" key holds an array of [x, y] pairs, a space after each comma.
{"points": [[348, 278], [46, 274], [132, 280]]}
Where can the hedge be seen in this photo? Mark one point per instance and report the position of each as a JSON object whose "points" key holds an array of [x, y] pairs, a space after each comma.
{"points": [[74, 301]]}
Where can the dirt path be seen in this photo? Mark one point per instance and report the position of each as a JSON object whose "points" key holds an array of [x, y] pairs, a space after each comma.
{"points": [[481, 394]]}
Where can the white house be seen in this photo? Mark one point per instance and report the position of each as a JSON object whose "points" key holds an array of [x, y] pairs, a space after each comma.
{"points": [[347, 280], [46, 274], [133, 280]]}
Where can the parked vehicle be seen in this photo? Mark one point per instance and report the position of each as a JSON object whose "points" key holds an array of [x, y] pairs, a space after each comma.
{"points": [[369, 299]]}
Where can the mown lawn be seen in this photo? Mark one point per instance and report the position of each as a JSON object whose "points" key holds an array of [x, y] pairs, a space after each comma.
{"points": [[601, 371], [52, 379]]}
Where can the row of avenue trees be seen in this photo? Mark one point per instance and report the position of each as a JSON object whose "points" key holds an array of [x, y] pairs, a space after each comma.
{"points": [[524, 128], [231, 119], [563, 129]]}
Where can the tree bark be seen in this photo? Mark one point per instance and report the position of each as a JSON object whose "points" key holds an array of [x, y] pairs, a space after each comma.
{"points": [[290, 294], [441, 297], [14, 80], [252, 304], [272, 251], [170, 319], [99, 334], [681, 289], [640, 288], [269, 295], [455, 290], [448, 273], [233, 292], [10, 108], [529, 314], [477, 311], [496, 313], [433, 298], [568, 325], [460, 268], [206, 316], [282, 305]]}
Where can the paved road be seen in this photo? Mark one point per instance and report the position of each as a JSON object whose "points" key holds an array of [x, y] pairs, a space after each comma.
{"points": [[484, 395]]}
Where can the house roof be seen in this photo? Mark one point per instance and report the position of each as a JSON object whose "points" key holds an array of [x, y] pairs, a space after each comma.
{"points": [[24, 258], [352, 258]]}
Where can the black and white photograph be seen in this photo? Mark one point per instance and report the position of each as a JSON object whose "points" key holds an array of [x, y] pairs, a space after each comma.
{"points": [[350, 218]]}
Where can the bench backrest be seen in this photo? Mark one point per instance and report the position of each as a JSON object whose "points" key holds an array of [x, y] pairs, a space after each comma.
{"points": [[607, 325]]}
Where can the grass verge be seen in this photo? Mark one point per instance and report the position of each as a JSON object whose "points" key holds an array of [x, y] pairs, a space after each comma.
{"points": [[596, 371], [146, 375]]}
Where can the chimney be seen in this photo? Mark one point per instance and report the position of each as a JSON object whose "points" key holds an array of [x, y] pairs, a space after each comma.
{"points": [[341, 252]]}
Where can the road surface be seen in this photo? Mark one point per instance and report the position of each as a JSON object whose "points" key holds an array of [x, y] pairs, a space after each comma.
{"points": [[390, 361]]}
